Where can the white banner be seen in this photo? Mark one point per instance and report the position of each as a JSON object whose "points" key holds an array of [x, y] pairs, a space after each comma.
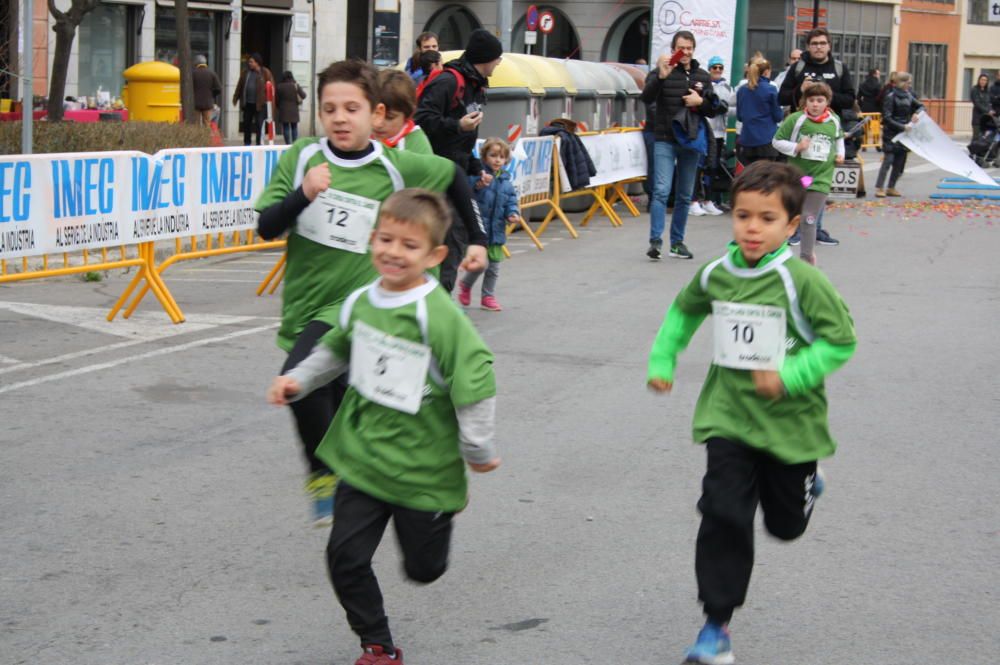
{"points": [[616, 156], [712, 22], [67, 202], [930, 142]]}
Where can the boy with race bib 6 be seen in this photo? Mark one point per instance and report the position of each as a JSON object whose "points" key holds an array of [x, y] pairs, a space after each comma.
{"points": [[420, 407], [780, 327]]}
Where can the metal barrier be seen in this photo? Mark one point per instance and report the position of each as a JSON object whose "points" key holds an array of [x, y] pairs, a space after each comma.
{"points": [[143, 260]]}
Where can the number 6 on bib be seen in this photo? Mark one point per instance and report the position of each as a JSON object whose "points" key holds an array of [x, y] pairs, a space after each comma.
{"points": [[748, 336]]}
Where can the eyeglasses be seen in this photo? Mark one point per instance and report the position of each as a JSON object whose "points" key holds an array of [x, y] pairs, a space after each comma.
{"points": [[819, 43]]}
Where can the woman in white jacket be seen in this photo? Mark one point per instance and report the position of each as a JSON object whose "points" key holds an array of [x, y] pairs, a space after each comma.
{"points": [[703, 204]]}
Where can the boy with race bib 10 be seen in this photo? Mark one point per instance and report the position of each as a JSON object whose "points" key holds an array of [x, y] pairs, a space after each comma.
{"points": [[325, 193], [420, 406], [780, 327]]}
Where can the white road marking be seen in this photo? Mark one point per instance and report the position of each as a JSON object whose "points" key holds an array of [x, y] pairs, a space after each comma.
{"points": [[147, 325], [9, 361], [142, 356]]}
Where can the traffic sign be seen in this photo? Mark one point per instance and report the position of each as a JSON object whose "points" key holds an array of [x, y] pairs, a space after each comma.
{"points": [[530, 37], [531, 19], [546, 22]]}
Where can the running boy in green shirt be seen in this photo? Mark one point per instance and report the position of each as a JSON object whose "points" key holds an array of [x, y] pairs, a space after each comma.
{"points": [[397, 128], [780, 328], [421, 400]]}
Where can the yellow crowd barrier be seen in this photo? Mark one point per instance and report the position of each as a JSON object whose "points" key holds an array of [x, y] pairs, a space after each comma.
{"points": [[143, 260], [214, 245], [873, 131]]}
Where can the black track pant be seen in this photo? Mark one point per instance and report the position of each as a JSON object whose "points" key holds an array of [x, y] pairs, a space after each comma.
{"points": [[314, 413], [737, 479], [424, 538], [457, 239], [893, 163]]}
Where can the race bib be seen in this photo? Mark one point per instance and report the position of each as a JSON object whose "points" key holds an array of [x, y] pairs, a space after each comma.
{"points": [[388, 370], [819, 149], [339, 220], [748, 336]]}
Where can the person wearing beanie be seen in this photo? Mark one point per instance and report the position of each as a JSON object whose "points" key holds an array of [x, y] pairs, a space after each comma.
{"points": [[207, 89], [450, 110]]}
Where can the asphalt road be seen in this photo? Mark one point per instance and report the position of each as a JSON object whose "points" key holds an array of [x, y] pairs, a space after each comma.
{"points": [[151, 501]]}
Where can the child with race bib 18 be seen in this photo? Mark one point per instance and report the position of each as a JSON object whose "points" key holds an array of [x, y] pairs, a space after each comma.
{"points": [[325, 193], [814, 142], [780, 327], [420, 407]]}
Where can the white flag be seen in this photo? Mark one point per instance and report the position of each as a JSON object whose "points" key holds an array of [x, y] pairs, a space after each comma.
{"points": [[930, 142]]}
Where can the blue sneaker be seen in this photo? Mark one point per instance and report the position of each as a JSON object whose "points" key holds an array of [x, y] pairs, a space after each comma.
{"points": [[818, 483], [712, 646], [320, 487], [795, 240]]}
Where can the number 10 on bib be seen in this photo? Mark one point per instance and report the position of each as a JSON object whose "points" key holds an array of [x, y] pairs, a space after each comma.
{"points": [[748, 336]]}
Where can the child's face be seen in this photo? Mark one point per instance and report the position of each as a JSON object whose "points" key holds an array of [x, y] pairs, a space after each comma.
{"points": [[402, 252], [495, 159], [761, 224], [391, 124], [815, 105], [347, 115]]}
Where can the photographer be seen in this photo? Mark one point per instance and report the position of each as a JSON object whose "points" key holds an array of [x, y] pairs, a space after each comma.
{"points": [[818, 66]]}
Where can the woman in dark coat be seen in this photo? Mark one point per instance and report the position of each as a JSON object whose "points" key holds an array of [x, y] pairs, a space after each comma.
{"points": [[980, 104], [899, 112], [288, 97], [251, 96]]}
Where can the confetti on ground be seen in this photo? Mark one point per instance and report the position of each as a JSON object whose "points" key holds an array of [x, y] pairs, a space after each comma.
{"points": [[922, 209]]}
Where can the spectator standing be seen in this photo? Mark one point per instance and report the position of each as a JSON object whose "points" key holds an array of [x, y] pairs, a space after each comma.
{"points": [[995, 95], [757, 108], [649, 139], [793, 57], [450, 110], [251, 96], [718, 124], [980, 96], [899, 113], [868, 92], [684, 99], [288, 97], [207, 89], [426, 41], [817, 65]]}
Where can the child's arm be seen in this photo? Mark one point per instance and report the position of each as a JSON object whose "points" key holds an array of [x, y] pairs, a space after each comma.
{"points": [[512, 209], [476, 428], [279, 217], [782, 139], [320, 368], [675, 334], [807, 369]]}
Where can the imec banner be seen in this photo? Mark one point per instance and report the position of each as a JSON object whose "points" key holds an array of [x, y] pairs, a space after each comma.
{"points": [[712, 22], [67, 202]]}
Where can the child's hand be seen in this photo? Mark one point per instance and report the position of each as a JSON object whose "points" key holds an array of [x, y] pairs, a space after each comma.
{"points": [[485, 468], [486, 179], [768, 383], [317, 180], [803, 144], [514, 218], [838, 160], [475, 259], [281, 389], [660, 385]]}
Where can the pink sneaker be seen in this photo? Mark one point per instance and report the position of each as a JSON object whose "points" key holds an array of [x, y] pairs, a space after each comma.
{"points": [[373, 654], [490, 303], [464, 294]]}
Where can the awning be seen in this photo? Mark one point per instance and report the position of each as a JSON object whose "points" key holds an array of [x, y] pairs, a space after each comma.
{"points": [[204, 5], [262, 6]]}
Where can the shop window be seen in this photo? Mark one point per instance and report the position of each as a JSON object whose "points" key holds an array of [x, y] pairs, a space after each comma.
{"points": [[928, 64], [203, 30], [453, 25], [106, 49], [980, 10]]}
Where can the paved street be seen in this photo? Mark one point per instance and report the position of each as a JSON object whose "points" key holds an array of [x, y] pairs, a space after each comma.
{"points": [[151, 501]]}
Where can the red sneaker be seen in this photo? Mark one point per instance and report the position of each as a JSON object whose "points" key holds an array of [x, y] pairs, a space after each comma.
{"points": [[374, 654], [464, 294], [490, 303]]}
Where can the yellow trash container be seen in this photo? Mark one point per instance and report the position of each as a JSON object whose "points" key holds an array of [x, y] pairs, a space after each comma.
{"points": [[153, 92]]}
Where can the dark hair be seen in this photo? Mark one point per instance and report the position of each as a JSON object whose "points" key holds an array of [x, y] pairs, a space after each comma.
{"points": [[817, 89], [256, 58], [355, 71], [397, 92], [428, 59], [767, 177], [425, 36], [421, 207], [817, 32], [683, 34], [415, 58], [872, 72], [287, 76]]}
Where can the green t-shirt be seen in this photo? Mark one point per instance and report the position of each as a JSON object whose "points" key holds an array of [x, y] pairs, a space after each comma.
{"points": [[318, 275], [411, 460], [416, 141], [794, 428], [825, 134]]}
